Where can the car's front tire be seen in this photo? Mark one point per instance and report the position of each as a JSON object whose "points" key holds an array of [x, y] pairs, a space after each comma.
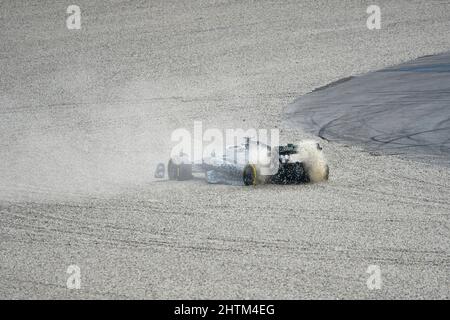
{"points": [[250, 175], [298, 174]]}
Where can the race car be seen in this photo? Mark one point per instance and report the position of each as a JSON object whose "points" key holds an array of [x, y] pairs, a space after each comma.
{"points": [[254, 162]]}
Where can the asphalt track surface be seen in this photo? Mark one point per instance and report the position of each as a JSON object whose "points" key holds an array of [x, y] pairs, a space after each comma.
{"points": [[87, 114], [402, 110]]}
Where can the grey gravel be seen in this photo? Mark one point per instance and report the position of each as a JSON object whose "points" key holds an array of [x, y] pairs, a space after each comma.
{"points": [[86, 115]]}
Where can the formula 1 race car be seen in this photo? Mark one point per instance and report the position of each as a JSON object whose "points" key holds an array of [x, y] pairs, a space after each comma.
{"points": [[254, 162]]}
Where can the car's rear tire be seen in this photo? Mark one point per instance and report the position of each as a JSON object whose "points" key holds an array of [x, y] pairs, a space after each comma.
{"points": [[179, 172], [250, 175], [172, 170]]}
